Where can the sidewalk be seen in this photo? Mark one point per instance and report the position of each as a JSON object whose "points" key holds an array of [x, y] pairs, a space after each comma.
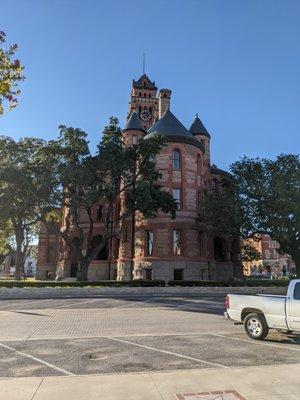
{"points": [[66, 292], [252, 383]]}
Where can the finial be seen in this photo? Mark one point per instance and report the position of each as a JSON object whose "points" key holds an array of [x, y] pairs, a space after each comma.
{"points": [[143, 63], [197, 115]]}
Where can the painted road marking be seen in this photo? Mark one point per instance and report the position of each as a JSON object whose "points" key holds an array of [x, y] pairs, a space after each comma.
{"points": [[37, 360], [168, 352], [257, 342], [21, 303]]}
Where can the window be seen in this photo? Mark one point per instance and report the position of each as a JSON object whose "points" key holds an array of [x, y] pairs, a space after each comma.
{"points": [[99, 213], [149, 95], [267, 254], [177, 197], [176, 242], [297, 291], [178, 274], [149, 242], [134, 139], [176, 161]]}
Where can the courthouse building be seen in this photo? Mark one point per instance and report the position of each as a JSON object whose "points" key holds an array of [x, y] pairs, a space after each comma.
{"points": [[163, 248]]}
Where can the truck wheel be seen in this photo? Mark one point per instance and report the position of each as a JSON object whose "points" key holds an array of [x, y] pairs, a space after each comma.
{"points": [[284, 331], [256, 327]]}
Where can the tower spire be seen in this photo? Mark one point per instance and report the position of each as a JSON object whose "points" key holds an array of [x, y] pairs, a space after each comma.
{"points": [[143, 63]]}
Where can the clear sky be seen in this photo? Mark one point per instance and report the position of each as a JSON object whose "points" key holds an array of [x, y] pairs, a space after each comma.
{"points": [[236, 63]]}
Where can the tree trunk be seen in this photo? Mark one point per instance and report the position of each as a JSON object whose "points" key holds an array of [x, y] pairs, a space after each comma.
{"points": [[19, 257], [82, 270]]}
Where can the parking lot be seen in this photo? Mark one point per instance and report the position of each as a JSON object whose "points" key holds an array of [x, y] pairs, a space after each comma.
{"points": [[137, 333]]}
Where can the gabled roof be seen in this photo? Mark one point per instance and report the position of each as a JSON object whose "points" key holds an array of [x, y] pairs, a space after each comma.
{"points": [[168, 125], [134, 123], [139, 84], [197, 127]]}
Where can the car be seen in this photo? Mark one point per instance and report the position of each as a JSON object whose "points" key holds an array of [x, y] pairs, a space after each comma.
{"points": [[260, 313]]}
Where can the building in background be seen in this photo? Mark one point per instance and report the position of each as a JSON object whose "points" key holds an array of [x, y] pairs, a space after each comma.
{"points": [[162, 248], [271, 263]]}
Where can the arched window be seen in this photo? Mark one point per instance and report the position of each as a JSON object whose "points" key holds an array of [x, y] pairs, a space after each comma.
{"points": [[149, 95], [176, 159], [103, 254], [145, 94]]}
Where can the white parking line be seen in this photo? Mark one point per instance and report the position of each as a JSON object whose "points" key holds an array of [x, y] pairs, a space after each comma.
{"points": [[21, 303], [37, 360], [260, 343], [72, 304], [168, 352]]}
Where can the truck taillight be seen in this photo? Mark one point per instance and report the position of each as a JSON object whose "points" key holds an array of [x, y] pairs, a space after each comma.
{"points": [[227, 303]]}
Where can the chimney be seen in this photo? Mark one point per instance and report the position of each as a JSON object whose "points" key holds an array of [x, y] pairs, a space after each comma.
{"points": [[164, 98]]}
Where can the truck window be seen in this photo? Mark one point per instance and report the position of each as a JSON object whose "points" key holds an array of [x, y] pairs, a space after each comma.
{"points": [[297, 291]]}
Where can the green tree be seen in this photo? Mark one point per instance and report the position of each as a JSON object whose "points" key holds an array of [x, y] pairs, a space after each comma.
{"points": [[79, 180], [221, 214], [18, 194], [11, 74], [269, 193]]}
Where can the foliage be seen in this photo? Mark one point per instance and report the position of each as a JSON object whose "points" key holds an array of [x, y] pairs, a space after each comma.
{"points": [[77, 181], [233, 283], [249, 252], [269, 193], [11, 74], [41, 284], [18, 194], [220, 213]]}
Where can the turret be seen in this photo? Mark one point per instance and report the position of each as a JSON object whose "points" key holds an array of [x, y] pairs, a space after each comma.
{"points": [[133, 129], [199, 131], [164, 98]]}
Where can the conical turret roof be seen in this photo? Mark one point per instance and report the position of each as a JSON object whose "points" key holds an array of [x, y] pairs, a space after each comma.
{"points": [[134, 123], [197, 127], [168, 125]]}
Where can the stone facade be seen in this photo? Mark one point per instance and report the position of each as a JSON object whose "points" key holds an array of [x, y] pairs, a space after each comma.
{"points": [[272, 262], [161, 248]]}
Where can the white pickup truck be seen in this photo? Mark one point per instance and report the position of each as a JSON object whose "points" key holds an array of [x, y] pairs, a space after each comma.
{"points": [[263, 312]]}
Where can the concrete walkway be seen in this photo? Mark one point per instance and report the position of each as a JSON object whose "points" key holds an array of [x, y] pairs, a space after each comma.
{"points": [[252, 383]]}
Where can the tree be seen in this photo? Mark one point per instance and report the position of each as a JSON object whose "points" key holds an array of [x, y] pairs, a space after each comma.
{"points": [[18, 194], [221, 215], [79, 180], [11, 74], [269, 192]]}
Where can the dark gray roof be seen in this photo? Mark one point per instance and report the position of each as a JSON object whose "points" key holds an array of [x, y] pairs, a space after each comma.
{"points": [[139, 83], [134, 123], [169, 126], [197, 127], [217, 171]]}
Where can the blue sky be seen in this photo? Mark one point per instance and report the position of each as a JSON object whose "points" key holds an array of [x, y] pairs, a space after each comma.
{"points": [[236, 63]]}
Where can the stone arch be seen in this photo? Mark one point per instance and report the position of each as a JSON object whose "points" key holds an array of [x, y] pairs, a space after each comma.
{"points": [[219, 249], [103, 254]]}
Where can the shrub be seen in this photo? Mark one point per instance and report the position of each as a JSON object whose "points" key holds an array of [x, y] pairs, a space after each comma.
{"points": [[58, 284], [235, 283]]}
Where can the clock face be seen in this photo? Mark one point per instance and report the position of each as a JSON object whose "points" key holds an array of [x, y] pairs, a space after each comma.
{"points": [[145, 115]]}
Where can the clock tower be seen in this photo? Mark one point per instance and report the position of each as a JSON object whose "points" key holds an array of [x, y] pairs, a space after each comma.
{"points": [[144, 101]]}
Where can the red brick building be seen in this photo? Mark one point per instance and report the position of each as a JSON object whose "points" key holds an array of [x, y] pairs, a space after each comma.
{"points": [[163, 248], [272, 262]]}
